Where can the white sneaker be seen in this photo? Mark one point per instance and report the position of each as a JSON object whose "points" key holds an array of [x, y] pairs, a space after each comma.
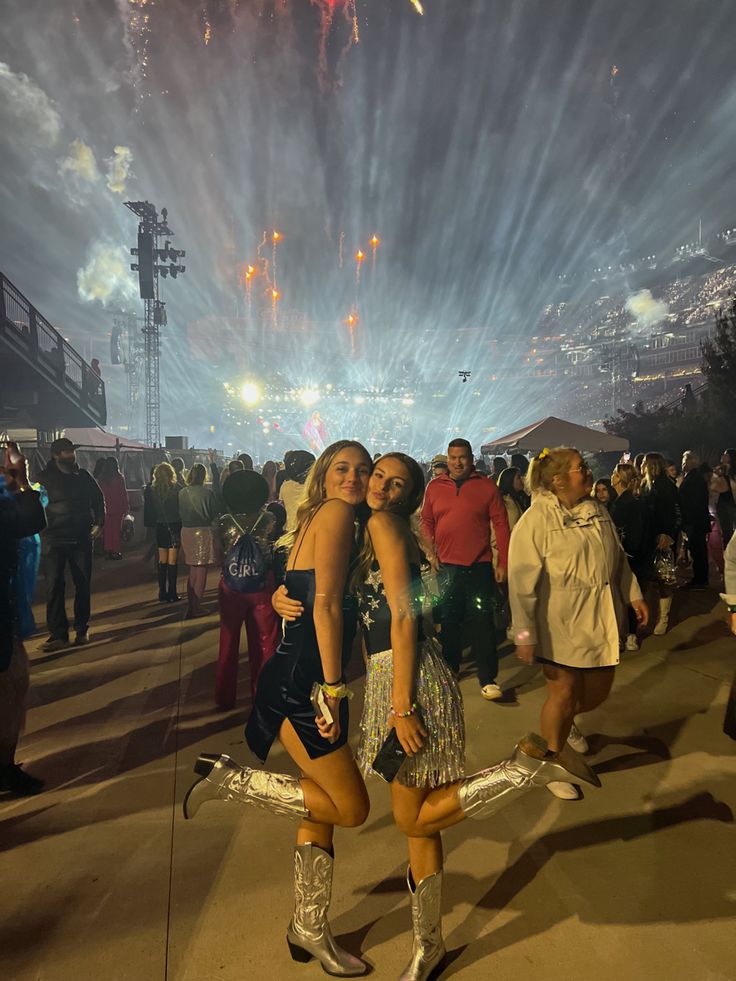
{"points": [[491, 692], [632, 644], [577, 740], [565, 791]]}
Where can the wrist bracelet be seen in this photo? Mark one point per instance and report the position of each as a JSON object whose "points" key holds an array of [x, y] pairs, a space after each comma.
{"points": [[405, 715], [337, 691], [334, 684]]}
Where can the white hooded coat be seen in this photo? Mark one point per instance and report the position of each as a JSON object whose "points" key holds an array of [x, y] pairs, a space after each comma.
{"points": [[569, 583]]}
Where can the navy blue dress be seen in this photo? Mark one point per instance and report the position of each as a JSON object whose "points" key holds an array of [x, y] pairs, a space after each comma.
{"points": [[285, 683]]}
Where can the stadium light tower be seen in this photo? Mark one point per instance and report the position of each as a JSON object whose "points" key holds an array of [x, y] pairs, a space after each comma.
{"points": [[152, 263]]}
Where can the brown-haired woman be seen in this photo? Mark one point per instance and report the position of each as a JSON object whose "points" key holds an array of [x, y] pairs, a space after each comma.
{"points": [[315, 648], [663, 523], [569, 582]]}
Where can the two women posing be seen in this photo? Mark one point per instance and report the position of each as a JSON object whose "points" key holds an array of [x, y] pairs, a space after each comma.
{"points": [[408, 688]]}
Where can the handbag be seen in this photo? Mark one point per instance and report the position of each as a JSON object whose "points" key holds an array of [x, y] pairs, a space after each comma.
{"points": [[127, 528], [663, 570]]}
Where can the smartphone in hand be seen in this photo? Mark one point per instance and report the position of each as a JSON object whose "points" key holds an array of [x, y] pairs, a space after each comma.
{"points": [[319, 704], [389, 758]]}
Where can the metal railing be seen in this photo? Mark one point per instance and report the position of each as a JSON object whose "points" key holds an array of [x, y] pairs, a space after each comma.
{"points": [[54, 357]]}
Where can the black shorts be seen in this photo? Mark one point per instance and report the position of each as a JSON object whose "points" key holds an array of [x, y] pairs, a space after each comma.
{"points": [[168, 535]]}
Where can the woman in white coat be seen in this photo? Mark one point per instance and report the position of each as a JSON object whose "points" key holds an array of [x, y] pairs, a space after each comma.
{"points": [[569, 584]]}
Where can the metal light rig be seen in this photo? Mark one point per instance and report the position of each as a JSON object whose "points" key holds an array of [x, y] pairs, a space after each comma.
{"points": [[150, 266]]}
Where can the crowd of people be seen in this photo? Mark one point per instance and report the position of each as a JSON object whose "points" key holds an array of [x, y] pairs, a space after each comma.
{"points": [[425, 560]]}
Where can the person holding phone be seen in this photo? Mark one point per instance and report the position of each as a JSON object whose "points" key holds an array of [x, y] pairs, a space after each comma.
{"points": [[21, 515], [413, 708], [315, 647]]}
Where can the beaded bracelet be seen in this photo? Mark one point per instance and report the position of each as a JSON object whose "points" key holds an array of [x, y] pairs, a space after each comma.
{"points": [[405, 715]]}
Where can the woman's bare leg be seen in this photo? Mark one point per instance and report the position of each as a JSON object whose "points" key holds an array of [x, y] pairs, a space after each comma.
{"points": [[422, 813], [595, 688], [564, 689], [334, 791], [425, 846]]}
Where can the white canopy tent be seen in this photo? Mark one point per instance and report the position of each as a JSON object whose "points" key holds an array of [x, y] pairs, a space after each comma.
{"points": [[551, 432]]}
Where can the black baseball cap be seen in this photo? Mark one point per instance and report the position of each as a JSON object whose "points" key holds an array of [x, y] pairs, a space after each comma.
{"points": [[63, 445]]}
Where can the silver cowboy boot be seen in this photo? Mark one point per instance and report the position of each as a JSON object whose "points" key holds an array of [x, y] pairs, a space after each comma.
{"points": [[428, 948], [486, 792], [223, 779], [309, 935]]}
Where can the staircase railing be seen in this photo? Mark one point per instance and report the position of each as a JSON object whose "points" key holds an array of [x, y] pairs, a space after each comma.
{"points": [[28, 330]]}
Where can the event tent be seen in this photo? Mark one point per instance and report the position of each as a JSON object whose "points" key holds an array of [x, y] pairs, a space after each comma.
{"points": [[556, 432], [96, 439]]}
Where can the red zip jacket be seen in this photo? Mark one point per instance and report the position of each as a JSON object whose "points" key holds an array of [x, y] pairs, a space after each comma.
{"points": [[458, 520]]}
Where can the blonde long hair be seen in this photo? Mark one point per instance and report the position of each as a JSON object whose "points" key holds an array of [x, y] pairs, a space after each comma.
{"points": [[164, 481], [314, 487], [628, 478]]}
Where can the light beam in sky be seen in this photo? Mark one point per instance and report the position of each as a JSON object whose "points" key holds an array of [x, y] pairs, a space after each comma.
{"points": [[595, 136]]}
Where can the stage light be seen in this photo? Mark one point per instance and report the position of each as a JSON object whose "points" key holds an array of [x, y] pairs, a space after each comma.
{"points": [[308, 396], [250, 393]]}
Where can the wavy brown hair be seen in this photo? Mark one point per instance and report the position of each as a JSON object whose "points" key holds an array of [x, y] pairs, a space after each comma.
{"points": [[653, 465], [404, 509]]}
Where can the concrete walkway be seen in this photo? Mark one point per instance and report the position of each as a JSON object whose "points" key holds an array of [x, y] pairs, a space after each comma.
{"points": [[102, 878]]}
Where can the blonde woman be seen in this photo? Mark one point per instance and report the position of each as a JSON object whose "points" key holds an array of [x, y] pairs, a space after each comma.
{"points": [[569, 584], [627, 514], [199, 511], [315, 648], [162, 504], [663, 523]]}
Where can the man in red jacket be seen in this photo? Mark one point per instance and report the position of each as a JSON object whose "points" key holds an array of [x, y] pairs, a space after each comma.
{"points": [[457, 515]]}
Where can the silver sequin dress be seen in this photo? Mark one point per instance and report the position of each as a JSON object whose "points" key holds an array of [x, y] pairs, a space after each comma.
{"points": [[441, 759]]}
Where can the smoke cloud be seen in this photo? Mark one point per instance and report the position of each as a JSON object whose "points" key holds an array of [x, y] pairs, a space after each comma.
{"points": [[648, 311], [107, 276], [80, 162], [30, 110], [119, 169]]}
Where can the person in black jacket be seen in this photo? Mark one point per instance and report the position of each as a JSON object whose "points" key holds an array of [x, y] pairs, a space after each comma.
{"points": [[627, 513], [161, 511], [75, 515], [694, 496], [663, 524], [21, 515]]}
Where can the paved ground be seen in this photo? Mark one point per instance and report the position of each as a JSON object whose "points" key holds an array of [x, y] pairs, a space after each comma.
{"points": [[102, 878]]}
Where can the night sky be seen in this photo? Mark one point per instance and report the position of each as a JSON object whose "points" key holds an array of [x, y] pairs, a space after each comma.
{"points": [[491, 145]]}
